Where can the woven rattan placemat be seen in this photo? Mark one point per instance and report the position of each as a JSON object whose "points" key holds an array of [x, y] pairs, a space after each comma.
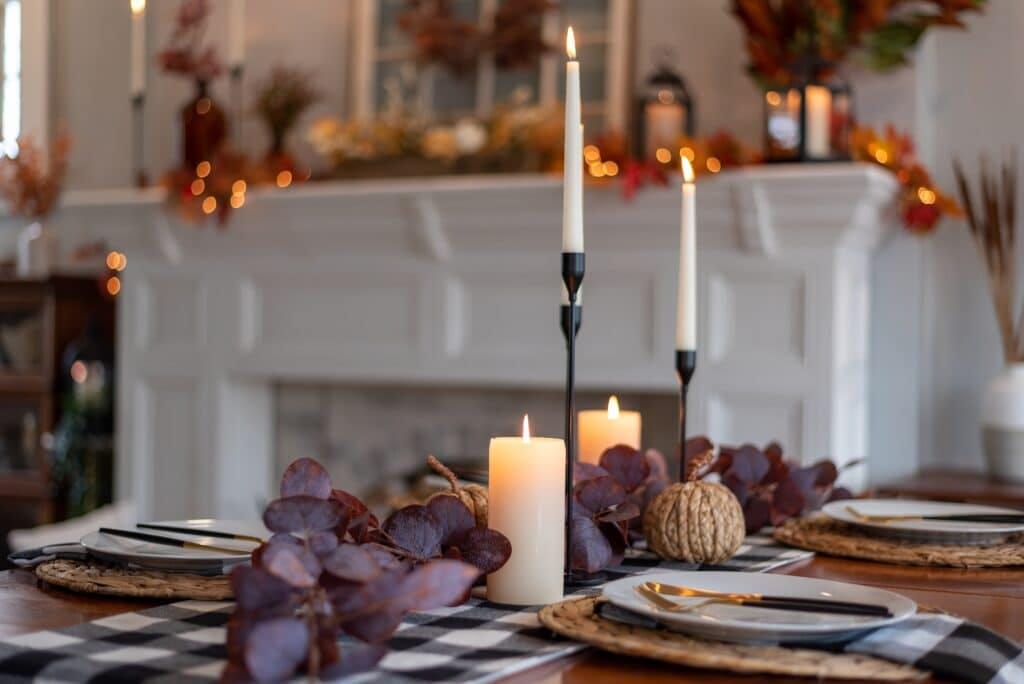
{"points": [[577, 620], [839, 539], [97, 578]]}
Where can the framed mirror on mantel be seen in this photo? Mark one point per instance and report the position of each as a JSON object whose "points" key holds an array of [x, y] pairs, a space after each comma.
{"points": [[383, 59]]}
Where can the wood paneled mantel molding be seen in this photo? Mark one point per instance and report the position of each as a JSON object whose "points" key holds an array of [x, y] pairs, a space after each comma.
{"points": [[455, 281]]}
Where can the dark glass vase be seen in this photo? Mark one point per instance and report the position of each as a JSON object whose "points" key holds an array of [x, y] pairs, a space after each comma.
{"points": [[204, 127], [278, 157]]}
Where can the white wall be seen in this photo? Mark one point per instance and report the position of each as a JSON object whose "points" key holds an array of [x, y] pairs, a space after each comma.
{"points": [[976, 105], [932, 327]]}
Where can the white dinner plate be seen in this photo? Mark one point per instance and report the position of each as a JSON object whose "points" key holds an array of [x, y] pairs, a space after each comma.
{"points": [[743, 624], [125, 550], [924, 530]]}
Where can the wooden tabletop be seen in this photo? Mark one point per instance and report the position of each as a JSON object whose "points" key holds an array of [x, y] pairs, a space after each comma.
{"points": [[994, 598], [943, 484]]}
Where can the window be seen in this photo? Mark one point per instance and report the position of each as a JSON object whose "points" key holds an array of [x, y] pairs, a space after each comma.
{"points": [[384, 70], [10, 111]]}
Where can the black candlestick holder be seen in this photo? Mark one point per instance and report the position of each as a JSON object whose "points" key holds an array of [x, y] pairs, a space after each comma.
{"points": [[573, 268], [138, 139], [686, 364], [572, 318]]}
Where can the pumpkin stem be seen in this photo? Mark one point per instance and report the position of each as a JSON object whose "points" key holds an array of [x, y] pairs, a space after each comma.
{"points": [[443, 470], [697, 464]]}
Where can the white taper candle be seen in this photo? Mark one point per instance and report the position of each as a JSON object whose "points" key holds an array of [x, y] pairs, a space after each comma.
{"points": [[138, 47], [572, 189], [236, 33], [686, 311]]}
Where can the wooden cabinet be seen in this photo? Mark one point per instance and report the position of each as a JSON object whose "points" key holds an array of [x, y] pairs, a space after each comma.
{"points": [[38, 320]]}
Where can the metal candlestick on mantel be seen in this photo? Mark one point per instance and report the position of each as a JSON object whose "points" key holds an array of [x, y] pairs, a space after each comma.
{"points": [[235, 75], [686, 364], [138, 122]]}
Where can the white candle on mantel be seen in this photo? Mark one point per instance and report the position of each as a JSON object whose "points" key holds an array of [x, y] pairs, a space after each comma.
{"points": [[686, 311], [138, 47], [236, 33], [526, 503], [818, 123], [572, 183], [600, 430]]}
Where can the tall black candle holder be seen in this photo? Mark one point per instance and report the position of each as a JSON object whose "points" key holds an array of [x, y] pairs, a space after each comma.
{"points": [[573, 268], [138, 139], [686, 364], [572, 318]]}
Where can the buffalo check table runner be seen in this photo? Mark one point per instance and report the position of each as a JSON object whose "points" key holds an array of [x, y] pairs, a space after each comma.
{"points": [[475, 642]]}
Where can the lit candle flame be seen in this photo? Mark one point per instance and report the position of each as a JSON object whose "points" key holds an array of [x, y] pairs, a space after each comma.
{"points": [[687, 168], [613, 407], [570, 44], [526, 429], [138, 6]]}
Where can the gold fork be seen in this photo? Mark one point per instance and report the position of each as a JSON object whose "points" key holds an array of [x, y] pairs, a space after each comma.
{"points": [[663, 603]]}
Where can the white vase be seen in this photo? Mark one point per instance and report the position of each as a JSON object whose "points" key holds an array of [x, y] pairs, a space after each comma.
{"points": [[1002, 424], [37, 251]]}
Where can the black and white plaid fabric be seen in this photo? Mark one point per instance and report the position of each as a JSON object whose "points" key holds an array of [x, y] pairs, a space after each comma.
{"points": [[947, 646], [950, 647], [184, 642]]}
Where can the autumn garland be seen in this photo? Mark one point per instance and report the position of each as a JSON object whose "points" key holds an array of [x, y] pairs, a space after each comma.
{"points": [[921, 203]]}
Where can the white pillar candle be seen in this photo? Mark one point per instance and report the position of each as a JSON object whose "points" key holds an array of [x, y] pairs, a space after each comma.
{"points": [[818, 122], [236, 33], [526, 503], [138, 47], [572, 183], [601, 429], [686, 310]]}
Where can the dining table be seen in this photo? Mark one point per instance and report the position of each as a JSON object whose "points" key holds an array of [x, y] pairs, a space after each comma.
{"points": [[991, 597]]}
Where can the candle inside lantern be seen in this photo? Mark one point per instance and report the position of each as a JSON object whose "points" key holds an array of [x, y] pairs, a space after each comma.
{"points": [[572, 182], [601, 429], [138, 47], [686, 304], [818, 121], [664, 120], [526, 503]]}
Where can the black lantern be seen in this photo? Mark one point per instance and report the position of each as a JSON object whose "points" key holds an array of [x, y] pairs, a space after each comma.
{"points": [[809, 118], [664, 112]]}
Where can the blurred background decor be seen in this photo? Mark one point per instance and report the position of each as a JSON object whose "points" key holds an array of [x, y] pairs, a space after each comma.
{"points": [[991, 208], [281, 99], [779, 35], [665, 110], [796, 51], [31, 183], [204, 125], [921, 203]]}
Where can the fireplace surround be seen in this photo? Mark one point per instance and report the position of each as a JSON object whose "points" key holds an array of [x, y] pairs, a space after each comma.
{"points": [[454, 282]]}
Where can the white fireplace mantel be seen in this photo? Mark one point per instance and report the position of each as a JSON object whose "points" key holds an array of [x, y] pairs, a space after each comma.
{"points": [[455, 281]]}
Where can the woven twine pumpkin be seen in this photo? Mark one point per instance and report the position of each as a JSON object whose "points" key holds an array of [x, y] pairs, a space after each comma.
{"points": [[474, 496], [695, 521]]}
